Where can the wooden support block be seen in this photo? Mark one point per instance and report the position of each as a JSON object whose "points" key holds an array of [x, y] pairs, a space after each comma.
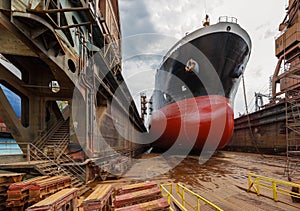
{"points": [[137, 197], [65, 199], [100, 199], [18, 193], [136, 187], [156, 205], [46, 187]]}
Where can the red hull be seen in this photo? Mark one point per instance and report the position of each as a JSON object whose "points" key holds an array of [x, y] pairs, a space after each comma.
{"points": [[194, 123]]}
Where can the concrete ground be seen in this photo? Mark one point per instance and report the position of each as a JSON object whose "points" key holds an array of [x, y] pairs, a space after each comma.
{"points": [[222, 179]]}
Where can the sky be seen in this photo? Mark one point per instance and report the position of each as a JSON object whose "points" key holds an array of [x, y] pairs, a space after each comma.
{"points": [[150, 28]]}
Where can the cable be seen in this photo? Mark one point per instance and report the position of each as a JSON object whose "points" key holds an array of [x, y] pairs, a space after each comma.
{"points": [[248, 118]]}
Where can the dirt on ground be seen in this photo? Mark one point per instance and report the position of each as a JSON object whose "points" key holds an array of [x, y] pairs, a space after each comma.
{"points": [[222, 179]]}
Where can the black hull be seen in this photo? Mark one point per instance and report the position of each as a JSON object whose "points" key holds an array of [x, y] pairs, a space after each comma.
{"points": [[221, 58]]}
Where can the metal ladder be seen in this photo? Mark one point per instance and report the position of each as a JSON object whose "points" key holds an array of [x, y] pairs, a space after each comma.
{"points": [[292, 137]]}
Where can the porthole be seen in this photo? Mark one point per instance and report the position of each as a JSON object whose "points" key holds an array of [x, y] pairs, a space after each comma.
{"points": [[71, 66]]}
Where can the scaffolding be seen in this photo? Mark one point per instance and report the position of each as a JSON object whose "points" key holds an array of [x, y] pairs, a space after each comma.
{"points": [[292, 136], [287, 75]]}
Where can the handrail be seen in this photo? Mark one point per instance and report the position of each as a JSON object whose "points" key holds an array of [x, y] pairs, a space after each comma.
{"points": [[78, 170], [63, 145], [275, 185], [34, 154], [73, 170], [41, 139], [227, 19], [169, 195], [181, 191], [45, 156], [60, 167], [199, 198]]}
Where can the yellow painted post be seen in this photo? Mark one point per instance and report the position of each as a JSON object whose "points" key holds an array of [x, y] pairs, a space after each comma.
{"points": [[183, 197], [170, 193], [249, 182], [257, 186], [275, 196], [198, 204]]}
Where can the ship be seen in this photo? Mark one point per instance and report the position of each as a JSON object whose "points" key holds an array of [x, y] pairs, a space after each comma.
{"points": [[195, 87], [274, 127], [15, 102]]}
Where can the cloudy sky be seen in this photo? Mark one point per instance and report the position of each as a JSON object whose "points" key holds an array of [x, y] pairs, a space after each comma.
{"points": [[150, 28]]}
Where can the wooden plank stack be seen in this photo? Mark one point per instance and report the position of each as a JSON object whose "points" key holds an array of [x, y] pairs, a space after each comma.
{"points": [[65, 199], [100, 199], [137, 197], [44, 188], [26, 193], [140, 196], [156, 205], [6, 179], [135, 187], [18, 193]]}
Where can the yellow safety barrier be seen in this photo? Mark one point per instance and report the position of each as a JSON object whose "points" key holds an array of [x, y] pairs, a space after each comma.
{"points": [[182, 191], [257, 182]]}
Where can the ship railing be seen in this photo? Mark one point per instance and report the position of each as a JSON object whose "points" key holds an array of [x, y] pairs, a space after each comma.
{"points": [[258, 182], [227, 19], [184, 199]]}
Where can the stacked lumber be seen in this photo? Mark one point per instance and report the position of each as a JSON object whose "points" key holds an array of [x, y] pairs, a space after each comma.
{"points": [[65, 199], [44, 188], [156, 205], [6, 179], [135, 187], [137, 197], [140, 196], [18, 193], [100, 199]]}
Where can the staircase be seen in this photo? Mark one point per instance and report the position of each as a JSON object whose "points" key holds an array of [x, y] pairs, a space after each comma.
{"points": [[57, 138], [50, 147], [53, 168]]}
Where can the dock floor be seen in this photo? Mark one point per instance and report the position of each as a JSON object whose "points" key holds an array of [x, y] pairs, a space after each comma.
{"points": [[222, 179]]}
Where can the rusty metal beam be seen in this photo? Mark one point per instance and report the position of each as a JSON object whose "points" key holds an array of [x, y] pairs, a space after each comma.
{"points": [[275, 77], [10, 44], [74, 9]]}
